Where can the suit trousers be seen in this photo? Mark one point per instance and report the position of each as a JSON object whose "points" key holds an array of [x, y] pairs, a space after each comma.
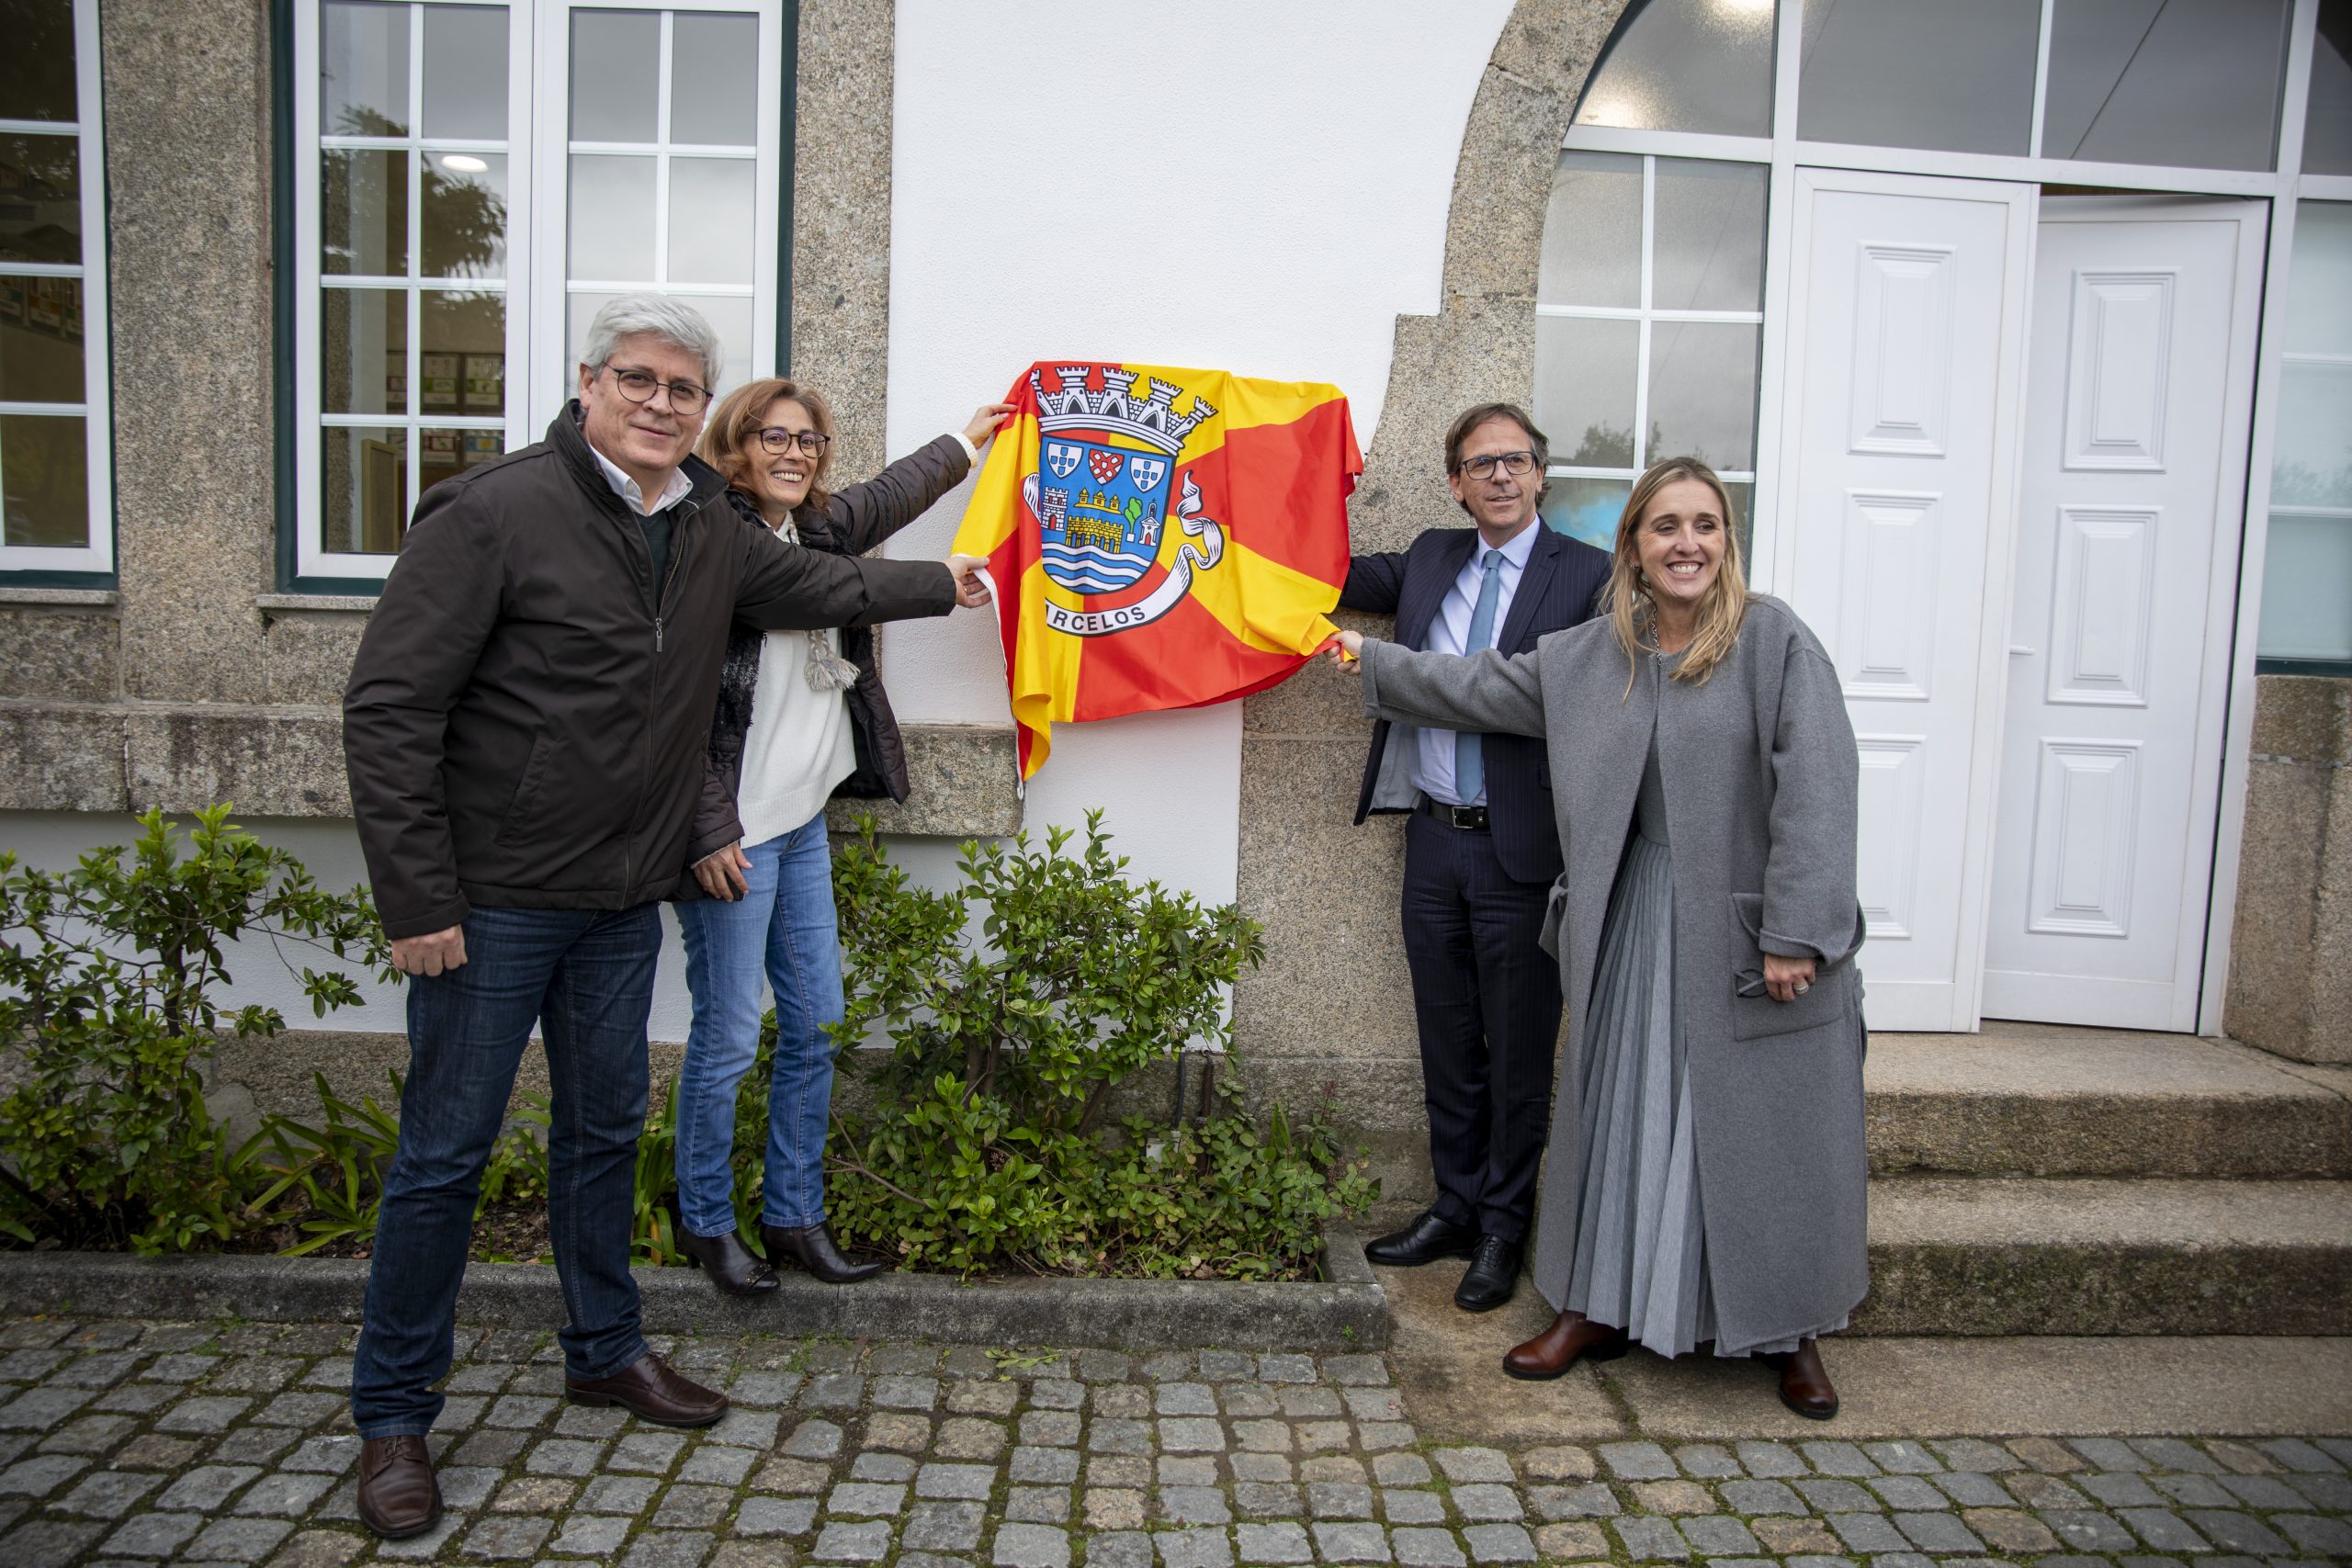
{"points": [[1487, 999]]}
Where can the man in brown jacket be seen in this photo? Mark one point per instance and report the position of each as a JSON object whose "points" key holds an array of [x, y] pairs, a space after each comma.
{"points": [[525, 730]]}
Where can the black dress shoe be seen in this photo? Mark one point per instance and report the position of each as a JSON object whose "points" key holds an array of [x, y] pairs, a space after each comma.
{"points": [[1492, 1277], [813, 1247], [732, 1267], [1426, 1240]]}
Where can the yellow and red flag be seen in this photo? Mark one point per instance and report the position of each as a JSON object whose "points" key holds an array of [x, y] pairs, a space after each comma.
{"points": [[1159, 538]]}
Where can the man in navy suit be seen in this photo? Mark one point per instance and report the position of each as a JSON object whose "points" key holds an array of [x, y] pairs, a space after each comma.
{"points": [[1481, 850]]}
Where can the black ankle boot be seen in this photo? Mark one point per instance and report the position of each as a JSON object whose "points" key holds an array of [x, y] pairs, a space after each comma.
{"points": [[732, 1267], [813, 1248]]}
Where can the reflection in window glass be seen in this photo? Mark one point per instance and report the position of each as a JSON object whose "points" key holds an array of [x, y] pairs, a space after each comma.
{"points": [[465, 72], [1586, 509], [41, 350], [1926, 73], [2307, 574], [44, 481], [363, 351], [362, 69], [1710, 236], [363, 212], [40, 199], [2327, 127], [1703, 393], [1686, 65], [1584, 388], [1593, 232], [2191, 83], [464, 197], [611, 97], [37, 68], [714, 78], [364, 489]]}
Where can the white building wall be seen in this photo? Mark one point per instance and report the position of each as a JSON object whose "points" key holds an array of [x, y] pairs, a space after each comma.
{"points": [[1224, 185], [1228, 184]]}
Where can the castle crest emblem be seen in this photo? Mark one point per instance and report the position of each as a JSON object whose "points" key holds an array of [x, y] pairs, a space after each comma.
{"points": [[1102, 502]]}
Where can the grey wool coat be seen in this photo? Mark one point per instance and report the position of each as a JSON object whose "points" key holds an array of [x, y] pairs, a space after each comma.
{"points": [[1760, 774]]}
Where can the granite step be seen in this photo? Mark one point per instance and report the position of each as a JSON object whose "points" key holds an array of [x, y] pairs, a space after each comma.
{"points": [[2048, 1100], [2139, 1256]]}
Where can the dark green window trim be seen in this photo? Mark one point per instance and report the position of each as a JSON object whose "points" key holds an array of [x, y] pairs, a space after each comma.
{"points": [[2334, 668], [283, 196]]}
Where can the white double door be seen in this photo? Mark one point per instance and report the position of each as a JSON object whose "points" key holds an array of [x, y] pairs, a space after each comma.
{"points": [[2013, 470]]}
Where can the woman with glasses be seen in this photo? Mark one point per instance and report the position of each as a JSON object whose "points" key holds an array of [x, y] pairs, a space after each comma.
{"points": [[801, 718], [1706, 1173]]}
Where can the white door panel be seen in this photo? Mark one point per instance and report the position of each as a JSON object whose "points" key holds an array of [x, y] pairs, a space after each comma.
{"points": [[2139, 385], [1897, 475]]}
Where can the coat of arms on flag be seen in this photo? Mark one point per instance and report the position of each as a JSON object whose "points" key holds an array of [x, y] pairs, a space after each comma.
{"points": [[1159, 538]]}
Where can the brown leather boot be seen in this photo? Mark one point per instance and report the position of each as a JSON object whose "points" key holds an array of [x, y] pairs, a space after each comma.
{"points": [[1571, 1337], [651, 1391], [1804, 1382], [398, 1496]]}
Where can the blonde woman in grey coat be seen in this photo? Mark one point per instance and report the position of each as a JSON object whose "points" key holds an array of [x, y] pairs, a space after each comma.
{"points": [[1705, 1178]]}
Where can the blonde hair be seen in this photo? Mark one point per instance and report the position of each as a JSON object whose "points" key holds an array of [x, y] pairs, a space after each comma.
{"points": [[1626, 600], [732, 433]]}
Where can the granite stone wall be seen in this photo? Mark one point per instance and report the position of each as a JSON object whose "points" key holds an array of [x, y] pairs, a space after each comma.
{"points": [[2290, 951], [1331, 1011]]}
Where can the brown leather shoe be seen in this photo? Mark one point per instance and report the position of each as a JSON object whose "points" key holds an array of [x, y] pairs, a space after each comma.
{"points": [[1804, 1382], [649, 1390], [398, 1496], [1572, 1337]]}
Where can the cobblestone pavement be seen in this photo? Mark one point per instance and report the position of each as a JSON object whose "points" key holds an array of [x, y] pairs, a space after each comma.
{"points": [[136, 1442]]}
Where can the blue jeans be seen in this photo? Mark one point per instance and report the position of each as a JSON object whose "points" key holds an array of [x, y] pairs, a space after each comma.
{"points": [[783, 929], [586, 976]]}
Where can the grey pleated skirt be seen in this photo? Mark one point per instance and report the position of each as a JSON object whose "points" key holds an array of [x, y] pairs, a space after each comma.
{"points": [[1640, 1253]]}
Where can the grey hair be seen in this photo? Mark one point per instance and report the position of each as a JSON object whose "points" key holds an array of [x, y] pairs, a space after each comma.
{"points": [[658, 316]]}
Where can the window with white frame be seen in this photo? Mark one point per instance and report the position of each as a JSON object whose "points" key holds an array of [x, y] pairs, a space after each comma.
{"points": [[1649, 322], [473, 181], [56, 511], [2307, 575]]}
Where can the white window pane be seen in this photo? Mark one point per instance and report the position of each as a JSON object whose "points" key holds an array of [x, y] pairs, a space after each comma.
{"points": [[1586, 509], [1593, 232], [715, 79], [363, 490], [579, 310], [614, 56], [1686, 65], [40, 199], [710, 219], [731, 317], [1584, 390], [41, 360], [1954, 74], [2191, 83], [612, 218], [37, 68], [362, 69], [464, 196], [463, 358], [465, 71], [44, 481], [1702, 392], [2313, 467], [363, 350], [2307, 590], [2327, 128], [1708, 252], [2319, 283]]}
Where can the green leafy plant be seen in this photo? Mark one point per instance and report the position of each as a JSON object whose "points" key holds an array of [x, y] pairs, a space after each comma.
{"points": [[1014, 1005], [332, 1173], [107, 978]]}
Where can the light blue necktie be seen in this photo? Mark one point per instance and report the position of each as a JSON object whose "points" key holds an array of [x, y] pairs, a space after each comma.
{"points": [[1469, 762]]}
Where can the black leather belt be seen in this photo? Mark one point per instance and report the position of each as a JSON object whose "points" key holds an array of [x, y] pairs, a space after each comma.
{"points": [[1463, 819]]}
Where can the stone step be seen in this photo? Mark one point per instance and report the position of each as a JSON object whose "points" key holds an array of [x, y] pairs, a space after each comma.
{"points": [[2145, 1256], [2038, 1100]]}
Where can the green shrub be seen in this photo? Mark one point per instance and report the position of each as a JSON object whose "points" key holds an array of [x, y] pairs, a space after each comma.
{"points": [[984, 1146], [107, 980]]}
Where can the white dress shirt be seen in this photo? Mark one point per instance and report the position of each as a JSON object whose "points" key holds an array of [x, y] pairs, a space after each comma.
{"points": [[1449, 633], [629, 491]]}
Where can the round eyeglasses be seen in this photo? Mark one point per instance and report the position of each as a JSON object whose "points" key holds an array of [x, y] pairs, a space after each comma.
{"points": [[638, 386], [775, 438], [1482, 467]]}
